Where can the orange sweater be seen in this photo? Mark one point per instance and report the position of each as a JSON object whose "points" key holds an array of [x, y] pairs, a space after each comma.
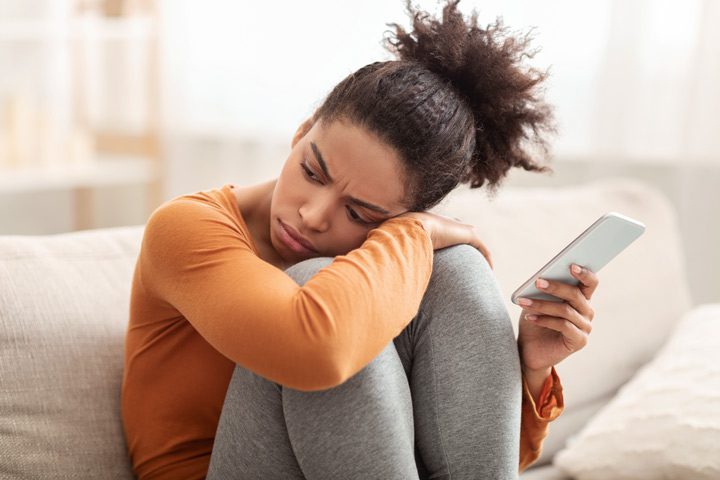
{"points": [[203, 300]]}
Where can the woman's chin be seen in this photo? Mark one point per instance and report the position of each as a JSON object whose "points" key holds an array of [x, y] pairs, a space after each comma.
{"points": [[287, 256]]}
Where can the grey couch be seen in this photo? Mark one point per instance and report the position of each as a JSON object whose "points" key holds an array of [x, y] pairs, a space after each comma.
{"points": [[64, 306]]}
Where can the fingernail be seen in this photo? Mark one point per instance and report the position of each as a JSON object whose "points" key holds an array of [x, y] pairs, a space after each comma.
{"points": [[576, 269], [525, 302], [542, 283], [532, 317]]}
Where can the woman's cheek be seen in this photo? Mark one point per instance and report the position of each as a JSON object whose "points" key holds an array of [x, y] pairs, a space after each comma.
{"points": [[357, 240]]}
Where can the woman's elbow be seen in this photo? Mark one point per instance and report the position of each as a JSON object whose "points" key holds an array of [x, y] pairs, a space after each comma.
{"points": [[326, 369]]}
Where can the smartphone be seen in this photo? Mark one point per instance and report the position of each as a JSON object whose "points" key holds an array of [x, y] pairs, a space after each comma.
{"points": [[593, 249]]}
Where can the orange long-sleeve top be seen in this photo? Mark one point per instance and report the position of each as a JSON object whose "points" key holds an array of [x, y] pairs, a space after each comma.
{"points": [[203, 300]]}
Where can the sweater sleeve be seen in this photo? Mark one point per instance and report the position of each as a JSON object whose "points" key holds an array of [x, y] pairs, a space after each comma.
{"points": [[314, 337], [535, 418]]}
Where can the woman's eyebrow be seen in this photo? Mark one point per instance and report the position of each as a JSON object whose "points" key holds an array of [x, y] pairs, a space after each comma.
{"points": [[323, 166]]}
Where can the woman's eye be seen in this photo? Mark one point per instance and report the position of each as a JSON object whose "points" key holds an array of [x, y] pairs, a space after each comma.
{"points": [[309, 173], [356, 218], [352, 213]]}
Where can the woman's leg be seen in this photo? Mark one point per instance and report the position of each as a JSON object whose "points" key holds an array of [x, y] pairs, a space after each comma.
{"points": [[361, 429], [251, 440], [460, 356]]}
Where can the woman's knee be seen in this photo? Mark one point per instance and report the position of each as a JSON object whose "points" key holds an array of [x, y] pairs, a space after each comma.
{"points": [[464, 307], [460, 262], [463, 281], [301, 272]]}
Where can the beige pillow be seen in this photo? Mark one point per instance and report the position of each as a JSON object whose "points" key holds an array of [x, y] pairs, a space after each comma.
{"points": [[63, 315], [665, 422]]}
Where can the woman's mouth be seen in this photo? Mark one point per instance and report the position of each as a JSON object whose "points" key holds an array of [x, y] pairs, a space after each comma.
{"points": [[293, 240]]}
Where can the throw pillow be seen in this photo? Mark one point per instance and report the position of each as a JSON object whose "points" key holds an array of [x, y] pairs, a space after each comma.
{"points": [[665, 422]]}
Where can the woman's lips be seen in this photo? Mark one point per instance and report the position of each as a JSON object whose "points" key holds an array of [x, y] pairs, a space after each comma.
{"points": [[294, 240]]}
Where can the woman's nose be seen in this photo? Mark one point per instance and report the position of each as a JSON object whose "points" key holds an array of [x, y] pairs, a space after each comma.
{"points": [[315, 215]]}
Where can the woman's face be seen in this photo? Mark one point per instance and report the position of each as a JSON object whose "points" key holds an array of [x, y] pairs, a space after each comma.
{"points": [[338, 183]]}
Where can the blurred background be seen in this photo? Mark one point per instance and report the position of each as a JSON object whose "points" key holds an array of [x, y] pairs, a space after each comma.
{"points": [[110, 107]]}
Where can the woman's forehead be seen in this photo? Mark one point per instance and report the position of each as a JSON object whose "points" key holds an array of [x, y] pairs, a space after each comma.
{"points": [[359, 161]]}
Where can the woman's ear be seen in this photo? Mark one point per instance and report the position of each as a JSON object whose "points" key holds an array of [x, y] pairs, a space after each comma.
{"points": [[301, 131]]}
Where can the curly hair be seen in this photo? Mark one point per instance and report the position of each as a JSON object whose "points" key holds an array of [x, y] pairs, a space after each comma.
{"points": [[456, 104]]}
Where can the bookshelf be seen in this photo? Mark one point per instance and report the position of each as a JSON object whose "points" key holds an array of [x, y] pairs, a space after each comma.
{"points": [[80, 107]]}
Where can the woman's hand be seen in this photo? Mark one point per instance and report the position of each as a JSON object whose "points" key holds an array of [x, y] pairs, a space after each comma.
{"points": [[559, 328], [445, 231]]}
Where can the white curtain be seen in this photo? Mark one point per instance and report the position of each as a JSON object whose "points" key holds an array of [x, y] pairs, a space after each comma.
{"points": [[658, 82], [631, 79]]}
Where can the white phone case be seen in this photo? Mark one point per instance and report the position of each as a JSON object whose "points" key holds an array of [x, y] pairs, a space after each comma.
{"points": [[594, 248]]}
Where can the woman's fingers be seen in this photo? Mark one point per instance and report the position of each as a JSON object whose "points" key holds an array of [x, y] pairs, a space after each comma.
{"points": [[560, 310], [574, 337], [485, 251], [475, 241], [572, 294], [588, 280], [446, 231]]}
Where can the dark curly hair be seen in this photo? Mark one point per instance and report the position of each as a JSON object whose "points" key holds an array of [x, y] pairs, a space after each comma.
{"points": [[456, 104]]}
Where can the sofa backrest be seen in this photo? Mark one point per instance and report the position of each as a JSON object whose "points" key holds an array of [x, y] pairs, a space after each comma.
{"points": [[63, 315], [643, 292]]}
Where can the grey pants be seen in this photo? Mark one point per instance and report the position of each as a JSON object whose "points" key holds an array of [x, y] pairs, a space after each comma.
{"points": [[442, 401]]}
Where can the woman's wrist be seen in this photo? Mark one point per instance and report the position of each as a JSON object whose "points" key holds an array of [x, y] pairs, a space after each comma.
{"points": [[535, 379]]}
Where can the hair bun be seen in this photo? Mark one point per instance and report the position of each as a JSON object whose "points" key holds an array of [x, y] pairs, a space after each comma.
{"points": [[484, 66]]}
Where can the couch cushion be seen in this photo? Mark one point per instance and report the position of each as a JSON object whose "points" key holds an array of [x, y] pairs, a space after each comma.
{"points": [[547, 472], [63, 314], [525, 227], [664, 423]]}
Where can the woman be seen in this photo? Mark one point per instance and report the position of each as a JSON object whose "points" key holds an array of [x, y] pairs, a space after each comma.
{"points": [[324, 324]]}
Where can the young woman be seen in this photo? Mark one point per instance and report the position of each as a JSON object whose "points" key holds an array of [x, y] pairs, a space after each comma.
{"points": [[324, 324]]}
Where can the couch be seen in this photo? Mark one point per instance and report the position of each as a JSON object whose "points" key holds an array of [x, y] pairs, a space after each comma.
{"points": [[64, 309]]}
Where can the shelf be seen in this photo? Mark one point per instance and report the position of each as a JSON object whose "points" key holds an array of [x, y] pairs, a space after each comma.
{"points": [[104, 171], [95, 28], [81, 53]]}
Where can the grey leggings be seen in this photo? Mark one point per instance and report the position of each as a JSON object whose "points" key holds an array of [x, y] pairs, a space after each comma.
{"points": [[442, 401]]}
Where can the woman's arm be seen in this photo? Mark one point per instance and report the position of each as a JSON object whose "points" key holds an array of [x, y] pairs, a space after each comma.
{"points": [[196, 258], [549, 332]]}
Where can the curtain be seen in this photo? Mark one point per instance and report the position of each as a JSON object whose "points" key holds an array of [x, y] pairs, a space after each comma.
{"points": [[630, 79]]}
